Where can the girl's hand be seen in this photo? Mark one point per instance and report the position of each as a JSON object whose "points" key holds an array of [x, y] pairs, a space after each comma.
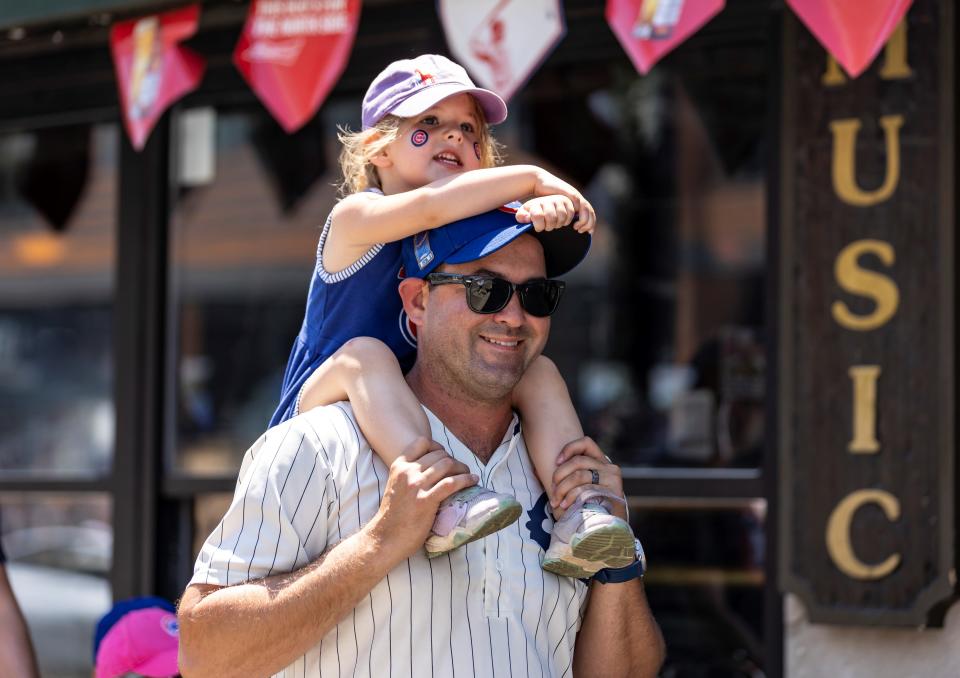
{"points": [[550, 185], [547, 213]]}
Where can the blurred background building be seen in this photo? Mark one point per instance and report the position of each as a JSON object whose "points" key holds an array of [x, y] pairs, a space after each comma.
{"points": [[148, 301]]}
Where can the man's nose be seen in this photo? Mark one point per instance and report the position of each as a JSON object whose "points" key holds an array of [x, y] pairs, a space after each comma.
{"points": [[512, 314]]}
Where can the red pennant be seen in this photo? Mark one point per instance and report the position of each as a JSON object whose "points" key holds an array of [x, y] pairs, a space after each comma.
{"points": [[153, 70], [649, 29], [292, 54], [502, 42], [853, 31]]}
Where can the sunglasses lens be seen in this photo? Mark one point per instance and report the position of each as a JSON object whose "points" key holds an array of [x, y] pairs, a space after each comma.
{"points": [[488, 295], [541, 298]]}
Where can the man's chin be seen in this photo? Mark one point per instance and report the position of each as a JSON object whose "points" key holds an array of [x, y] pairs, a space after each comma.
{"points": [[498, 378]]}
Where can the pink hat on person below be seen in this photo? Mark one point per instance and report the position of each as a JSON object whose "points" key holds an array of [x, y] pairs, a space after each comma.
{"points": [[408, 87], [142, 641]]}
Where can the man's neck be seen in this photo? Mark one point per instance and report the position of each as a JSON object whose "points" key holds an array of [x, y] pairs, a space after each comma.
{"points": [[478, 424]]}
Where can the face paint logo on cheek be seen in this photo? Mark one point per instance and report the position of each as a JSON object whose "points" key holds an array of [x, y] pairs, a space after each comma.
{"points": [[419, 138], [476, 149]]}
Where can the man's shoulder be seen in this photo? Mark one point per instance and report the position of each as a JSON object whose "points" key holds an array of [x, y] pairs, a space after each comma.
{"points": [[336, 420], [330, 433]]}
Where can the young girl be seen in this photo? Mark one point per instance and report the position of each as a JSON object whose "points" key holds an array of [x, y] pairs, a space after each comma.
{"points": [[425, 158]]}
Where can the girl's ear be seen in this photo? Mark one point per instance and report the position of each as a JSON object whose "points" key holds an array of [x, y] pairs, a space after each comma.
{"points": [[381, 160], [413, 293]]}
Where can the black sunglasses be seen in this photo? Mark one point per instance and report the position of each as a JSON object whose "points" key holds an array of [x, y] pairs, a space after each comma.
{"points": [[490, 294]]}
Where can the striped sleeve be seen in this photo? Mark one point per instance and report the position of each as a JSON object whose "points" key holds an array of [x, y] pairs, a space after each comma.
{"points": [[277, 521]]}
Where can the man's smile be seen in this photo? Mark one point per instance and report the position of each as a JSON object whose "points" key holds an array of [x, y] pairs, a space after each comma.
{"points": [[508, 343]]}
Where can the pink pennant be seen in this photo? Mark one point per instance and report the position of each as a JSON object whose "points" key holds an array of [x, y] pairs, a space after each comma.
{"points": [[853, 31], [649, 29], [153, 70], [292, 54], [502, 43]]}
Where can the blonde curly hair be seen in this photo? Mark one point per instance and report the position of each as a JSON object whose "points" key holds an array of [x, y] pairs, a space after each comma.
{"points": [[359, 148]]}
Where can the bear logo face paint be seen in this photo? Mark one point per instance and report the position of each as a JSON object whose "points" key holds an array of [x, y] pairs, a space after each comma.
{"points": [[419, 138], [476, 149]]}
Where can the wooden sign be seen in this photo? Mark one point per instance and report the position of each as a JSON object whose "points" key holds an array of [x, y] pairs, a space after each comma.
{"points": [[866, 367]]}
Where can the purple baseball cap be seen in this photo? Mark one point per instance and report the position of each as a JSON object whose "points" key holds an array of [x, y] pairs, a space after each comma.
{"points": [[408, 87], [477, 236]]}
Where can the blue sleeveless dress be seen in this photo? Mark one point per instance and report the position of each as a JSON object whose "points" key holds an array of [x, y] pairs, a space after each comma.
{"points": [[359, 301]]}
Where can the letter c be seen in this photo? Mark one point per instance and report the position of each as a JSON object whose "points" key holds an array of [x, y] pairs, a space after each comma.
{"points": [[838, 534]]}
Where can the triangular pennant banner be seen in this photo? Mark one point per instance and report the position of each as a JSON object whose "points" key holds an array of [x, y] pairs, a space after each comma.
{"points": [[853, 31], [649, 29], [153, 70], [292, 53], [502, 42]]}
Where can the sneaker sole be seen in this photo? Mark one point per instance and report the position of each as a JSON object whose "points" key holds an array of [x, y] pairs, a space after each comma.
{"points": [[507, 514], [565, 568], [611, 546], [605, 547]]}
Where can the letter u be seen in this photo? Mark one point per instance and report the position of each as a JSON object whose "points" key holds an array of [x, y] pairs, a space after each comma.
{"points": [[844, 163]]}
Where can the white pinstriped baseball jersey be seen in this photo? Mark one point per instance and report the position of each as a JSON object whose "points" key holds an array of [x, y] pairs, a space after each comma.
{"points": [[486, 609]]}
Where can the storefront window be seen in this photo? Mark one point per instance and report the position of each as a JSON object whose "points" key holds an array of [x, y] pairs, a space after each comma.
{"points": [[244, 240], [661, 331], [59, 549], [57, 245], [705, 583]]}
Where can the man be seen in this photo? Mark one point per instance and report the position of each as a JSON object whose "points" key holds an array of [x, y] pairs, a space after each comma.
{"points": [[16, 651], [318, 565]]}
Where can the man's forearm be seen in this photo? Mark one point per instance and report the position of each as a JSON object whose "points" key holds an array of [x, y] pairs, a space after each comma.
{"points": [[618, 633], [259, 627]]}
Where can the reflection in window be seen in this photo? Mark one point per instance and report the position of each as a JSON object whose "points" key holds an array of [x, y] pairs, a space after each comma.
{"points": [[59, 549], [243, 247], [660, 332], [706, 585], [208, 510], [57, 244]]}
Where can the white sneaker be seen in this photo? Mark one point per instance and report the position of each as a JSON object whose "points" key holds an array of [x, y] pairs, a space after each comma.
{"points": [[588, 539], [467, 515]]}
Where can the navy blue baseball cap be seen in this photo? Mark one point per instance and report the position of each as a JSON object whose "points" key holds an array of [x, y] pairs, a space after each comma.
{"points": [[477, 236]]}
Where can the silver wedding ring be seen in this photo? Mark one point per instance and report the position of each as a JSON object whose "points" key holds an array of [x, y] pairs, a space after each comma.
{"points": [[594, 476]]}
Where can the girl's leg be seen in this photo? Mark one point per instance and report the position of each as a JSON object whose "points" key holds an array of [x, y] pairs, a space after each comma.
{"points": [[586, 537], [549, 419], [365, 372]]}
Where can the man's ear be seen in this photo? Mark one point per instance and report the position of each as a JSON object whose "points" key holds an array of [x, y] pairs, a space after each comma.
{"points": [[413, 293]]}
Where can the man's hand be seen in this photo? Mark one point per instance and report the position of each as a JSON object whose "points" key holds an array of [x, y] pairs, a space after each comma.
{"points": [[618, 630], [422, 477], [574, 474]]}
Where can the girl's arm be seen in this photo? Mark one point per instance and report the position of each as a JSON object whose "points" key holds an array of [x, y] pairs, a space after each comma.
{"points": [[365, 372], [365, 219], [549, 421]]}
